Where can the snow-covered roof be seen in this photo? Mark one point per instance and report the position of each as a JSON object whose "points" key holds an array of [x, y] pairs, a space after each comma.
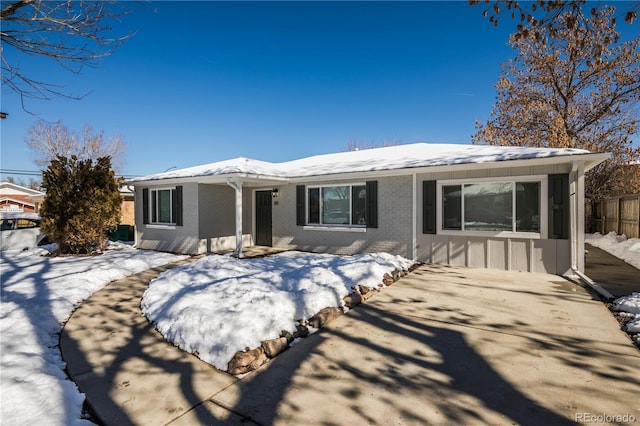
{"points": [[419, 155], [8, 188]]}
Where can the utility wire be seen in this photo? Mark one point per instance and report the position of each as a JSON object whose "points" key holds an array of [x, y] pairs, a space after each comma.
{"points": [[20, 172], [39, 173]]}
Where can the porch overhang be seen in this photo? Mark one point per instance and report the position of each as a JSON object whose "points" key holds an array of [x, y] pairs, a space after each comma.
{"points": [[246, 179]]}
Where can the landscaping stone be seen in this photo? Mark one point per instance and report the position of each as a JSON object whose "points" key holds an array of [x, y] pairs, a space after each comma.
{"points": [[249, 360], [369, 294], [352, 300], [301, 331], [287, 335], [324, 317], [274, 346], [245, 361], [362, 289]]}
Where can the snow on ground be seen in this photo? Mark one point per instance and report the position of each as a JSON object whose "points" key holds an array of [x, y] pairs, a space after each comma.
{"points": [[215, 306], [220, 305], [630, 305], [627, 249], [38, 296]]}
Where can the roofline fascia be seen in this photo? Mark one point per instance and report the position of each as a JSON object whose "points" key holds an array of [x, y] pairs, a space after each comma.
{"points": [[598, 158], [591, 161], [212, 179]]}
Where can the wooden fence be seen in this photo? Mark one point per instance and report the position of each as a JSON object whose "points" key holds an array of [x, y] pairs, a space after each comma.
{"points": [[620, 215]]}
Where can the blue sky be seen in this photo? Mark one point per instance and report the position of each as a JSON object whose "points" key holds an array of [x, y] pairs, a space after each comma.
{"points": [[206, 81]]}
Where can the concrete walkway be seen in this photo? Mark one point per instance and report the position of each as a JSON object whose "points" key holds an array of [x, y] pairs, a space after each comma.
{"points": [[443, 345], [613, 274]]}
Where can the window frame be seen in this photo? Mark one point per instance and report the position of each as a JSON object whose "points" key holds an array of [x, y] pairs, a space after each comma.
{"points": [[334, 226], [153, 206], [24, 223], [543, 213]]}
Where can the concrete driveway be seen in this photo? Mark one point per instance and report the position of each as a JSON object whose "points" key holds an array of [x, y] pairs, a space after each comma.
{"points": [[452, 345], [443, 345]]}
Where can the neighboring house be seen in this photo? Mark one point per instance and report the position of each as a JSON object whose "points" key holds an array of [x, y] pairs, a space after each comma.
{"points": [[474, 205], [127, 206], [20, 199], [16, 198]]}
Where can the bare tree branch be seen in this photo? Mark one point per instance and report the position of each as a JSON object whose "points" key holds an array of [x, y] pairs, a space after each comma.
{"points": [[48, 140], [75, 34]]}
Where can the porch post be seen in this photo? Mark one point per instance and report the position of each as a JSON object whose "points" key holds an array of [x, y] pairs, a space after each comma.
{"points": [[414, 218], [238, 188]]}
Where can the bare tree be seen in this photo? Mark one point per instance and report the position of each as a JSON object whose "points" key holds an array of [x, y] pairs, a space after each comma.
{"points": [[50, 140], [359, 144], [573, 84], [74, 33], [543, 13], [32, 184]]}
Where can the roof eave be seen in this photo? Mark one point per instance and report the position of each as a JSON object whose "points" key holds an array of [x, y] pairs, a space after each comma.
{"points": [[595, 159], [590, 160], [252, 178]]}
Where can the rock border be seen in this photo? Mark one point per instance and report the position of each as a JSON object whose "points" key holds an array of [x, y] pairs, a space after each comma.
{"points": [[623, 318], [251, 359]]}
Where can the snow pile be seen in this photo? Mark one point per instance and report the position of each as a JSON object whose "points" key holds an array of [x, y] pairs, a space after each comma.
{"points": [[627, 249], [630, 305], [221, 305], [38, 296]]}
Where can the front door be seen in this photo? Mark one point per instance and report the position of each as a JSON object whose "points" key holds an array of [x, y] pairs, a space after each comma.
{"points": [[263, 218]]}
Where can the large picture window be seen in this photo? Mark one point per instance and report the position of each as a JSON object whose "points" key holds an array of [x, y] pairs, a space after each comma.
{"points": [[337, 205], [492, 206]]}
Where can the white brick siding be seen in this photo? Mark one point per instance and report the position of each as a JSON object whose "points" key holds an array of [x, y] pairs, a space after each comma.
{"points": [[393, 234]]}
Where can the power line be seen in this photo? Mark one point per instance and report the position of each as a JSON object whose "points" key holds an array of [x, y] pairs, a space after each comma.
{"points": [[20, 172], [39, 173]]}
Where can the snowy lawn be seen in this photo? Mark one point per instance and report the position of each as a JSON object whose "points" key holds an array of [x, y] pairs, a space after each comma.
{"points": [[220, 305], [38, 296], [627, 249]]}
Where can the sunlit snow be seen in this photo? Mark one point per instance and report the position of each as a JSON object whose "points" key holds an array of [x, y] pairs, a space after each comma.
{"points": [[39, 294], [220, 305]]}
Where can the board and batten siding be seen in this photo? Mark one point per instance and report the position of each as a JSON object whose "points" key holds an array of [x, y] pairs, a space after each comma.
{"points": [[393, 233], [493, 252]]}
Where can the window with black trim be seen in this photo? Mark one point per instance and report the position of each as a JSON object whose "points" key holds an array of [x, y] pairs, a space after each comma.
{"points": [[339, 205], [492, 206], [162, 206]]}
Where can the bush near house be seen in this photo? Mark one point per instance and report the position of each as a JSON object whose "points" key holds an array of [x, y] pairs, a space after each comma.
{"points": [[81, 205]]}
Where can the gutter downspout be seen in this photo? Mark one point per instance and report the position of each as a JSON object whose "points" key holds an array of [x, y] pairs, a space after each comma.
{"points": [[237, 186], [414, 219], [576, 196]]}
